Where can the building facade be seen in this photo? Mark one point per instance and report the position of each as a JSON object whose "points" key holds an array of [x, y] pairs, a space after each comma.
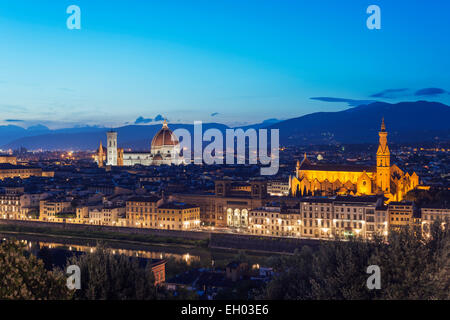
{"points": [[153, 212], [431, 214], [8, 170], [230, 204], [328, 180], [278, 188], [165, 150], [275, 221], [401, 213], [323, 218]]}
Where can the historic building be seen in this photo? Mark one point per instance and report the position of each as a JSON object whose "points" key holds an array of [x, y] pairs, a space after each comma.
{"points": [[401, 213], [230, 204], [327, 180], [8, 170], [165, 149], [155, 213], [323, 218], [279, 221]]}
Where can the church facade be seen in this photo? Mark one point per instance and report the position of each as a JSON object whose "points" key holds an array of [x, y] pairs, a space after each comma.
{"points": [[328, 180], [164, 150]]}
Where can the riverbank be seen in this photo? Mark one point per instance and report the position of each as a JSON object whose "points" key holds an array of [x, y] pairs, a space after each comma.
{"points": [[200, 239], [101, 236]]}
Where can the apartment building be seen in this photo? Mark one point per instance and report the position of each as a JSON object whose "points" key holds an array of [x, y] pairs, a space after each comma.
{"points": [[323, 218], [50, 209], [275, 221], [278, 188], [401, 213], [430, 214], [153, 212]]}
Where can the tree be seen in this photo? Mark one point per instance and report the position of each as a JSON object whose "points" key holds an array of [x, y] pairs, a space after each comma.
{"points": [[412, 267], [23, 276], [293, 276], [106, 276]]}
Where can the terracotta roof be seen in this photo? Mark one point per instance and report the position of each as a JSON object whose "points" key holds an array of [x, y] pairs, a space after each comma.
{"points": [[338, 167], [164, 137]]}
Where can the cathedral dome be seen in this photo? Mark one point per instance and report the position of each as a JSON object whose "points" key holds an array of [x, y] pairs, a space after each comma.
{"points": [[164, 137]]}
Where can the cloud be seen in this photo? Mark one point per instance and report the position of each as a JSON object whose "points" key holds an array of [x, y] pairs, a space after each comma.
{"points": [[142, 120], [430, 92], [350, 102], [159, 118], [390, 93], [14, 120], [214, 114]]}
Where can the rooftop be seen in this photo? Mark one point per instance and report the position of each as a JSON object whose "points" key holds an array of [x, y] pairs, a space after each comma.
{"points": [[144, 199]]}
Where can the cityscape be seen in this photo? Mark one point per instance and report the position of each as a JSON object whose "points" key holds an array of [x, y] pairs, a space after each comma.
{"points": [[226, 172]]}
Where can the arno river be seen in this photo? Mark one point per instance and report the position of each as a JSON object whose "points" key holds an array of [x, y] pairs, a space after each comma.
{"points": [[64, 247]]}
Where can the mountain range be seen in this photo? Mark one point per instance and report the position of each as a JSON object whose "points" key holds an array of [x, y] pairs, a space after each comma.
{"points": [[418, 121]]}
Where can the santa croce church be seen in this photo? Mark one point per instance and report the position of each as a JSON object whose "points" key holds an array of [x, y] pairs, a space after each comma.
{"points": [[331, 179]]}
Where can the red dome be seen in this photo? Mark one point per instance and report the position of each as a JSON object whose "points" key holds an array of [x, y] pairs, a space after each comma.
{"points": [[164, 137]]}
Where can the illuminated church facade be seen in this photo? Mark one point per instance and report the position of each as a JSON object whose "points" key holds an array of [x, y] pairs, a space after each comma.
{"points": [[331, 179], [165, 149]]}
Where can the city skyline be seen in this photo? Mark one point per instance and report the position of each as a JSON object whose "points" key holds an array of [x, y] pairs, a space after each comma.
{"points": [[214, 62]]}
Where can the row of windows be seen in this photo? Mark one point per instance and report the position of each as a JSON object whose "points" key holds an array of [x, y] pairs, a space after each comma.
{"points": [[155, 217]]}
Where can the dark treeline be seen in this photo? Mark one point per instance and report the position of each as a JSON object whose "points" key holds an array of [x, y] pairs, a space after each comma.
{"points": [[413, 266]]}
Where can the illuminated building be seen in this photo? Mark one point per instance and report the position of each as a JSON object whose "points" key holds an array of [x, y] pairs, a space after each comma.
{"points": [[165, 149], [15, 204], [6, 158], [431, 214], [401, 213], [278, 188], [153, 212], [275, 221], [49, 209], [230, 204], [330, 179], [8, 170], [100, 156], [323, 218]]}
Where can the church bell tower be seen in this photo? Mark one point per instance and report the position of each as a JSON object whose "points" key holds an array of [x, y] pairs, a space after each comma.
{"points": [[111, 158], [383, 162]]}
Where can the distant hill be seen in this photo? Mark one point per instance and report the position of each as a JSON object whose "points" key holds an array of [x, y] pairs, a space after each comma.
{"points": [[135, 137], [9, 133], [405, 121]]}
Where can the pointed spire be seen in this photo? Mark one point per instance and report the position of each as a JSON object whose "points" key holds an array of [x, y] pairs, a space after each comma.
{"points": [[305, 158], [383, 127], [165, 124]]}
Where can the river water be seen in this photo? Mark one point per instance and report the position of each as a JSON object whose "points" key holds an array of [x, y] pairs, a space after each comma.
{"points": [[62, 248]]}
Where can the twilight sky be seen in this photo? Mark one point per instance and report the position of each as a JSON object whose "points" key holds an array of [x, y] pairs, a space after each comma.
{"points": [[228, 61]]}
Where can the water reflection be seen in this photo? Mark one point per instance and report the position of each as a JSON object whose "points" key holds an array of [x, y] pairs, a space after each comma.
{"points": [[36, 245]]}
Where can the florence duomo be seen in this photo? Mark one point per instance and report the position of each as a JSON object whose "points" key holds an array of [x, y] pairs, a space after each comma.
{"points": [[165, 150], [332, 179]]}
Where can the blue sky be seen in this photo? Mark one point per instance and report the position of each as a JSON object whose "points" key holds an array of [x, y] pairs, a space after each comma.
{"points": [[242, 60]]}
